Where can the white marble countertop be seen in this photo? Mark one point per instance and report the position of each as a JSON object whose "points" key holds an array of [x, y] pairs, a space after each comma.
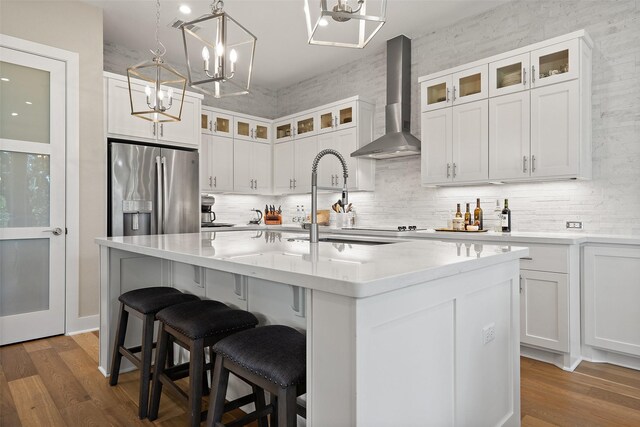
{"points": [[348, 269], [541, 237]]}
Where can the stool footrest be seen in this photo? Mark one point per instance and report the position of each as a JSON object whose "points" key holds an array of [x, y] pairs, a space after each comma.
{"points": [[241, 401], [268, 409]]}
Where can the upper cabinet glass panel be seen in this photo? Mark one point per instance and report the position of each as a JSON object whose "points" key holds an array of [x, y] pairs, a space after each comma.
{"points": [[556, 63], [283, 131], [24, 103], [326, 120], [243, 128], [346, 115], [436, 93], [305, 125], [470, 85], [509, 75], [262, 132], [223, 125]]}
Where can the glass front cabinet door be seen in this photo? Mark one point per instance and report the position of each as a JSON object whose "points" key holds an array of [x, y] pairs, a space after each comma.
{"points": [[341, 117], [215, 123], [436, 93], [304, 126], [556, 63], [284, 131], [469, 85], [509, 75]]}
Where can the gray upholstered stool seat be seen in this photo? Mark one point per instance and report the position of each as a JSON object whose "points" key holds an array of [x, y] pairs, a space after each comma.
{"points": [[143, 303], [272, 358], [195, 325]]}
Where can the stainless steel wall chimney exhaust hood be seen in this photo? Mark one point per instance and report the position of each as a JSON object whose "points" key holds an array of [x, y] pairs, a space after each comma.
{"points": [[397, 140]]}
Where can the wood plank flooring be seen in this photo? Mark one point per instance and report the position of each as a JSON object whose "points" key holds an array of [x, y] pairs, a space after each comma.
{"points": [[55, 382]]}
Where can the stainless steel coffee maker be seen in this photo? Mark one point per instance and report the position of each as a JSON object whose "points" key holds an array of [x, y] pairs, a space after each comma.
{"points": [[207, 215]]}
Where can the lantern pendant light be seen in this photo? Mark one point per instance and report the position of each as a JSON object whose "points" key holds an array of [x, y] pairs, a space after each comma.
{"points": [[348, 23], [224, 51], [157, 104]]}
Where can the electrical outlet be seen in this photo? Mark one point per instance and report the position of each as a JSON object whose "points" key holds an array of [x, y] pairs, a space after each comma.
{"points": [[488, 333], [576, 225]]}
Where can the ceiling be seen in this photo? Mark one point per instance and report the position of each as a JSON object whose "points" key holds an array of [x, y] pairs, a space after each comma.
{"points": [[283, 56]]}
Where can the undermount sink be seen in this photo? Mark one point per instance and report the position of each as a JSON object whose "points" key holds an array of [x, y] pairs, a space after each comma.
{"points": [[347, 240]]}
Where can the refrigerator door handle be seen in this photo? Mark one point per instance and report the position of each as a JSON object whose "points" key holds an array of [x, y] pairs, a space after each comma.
{"points": [[165, 195], [159, 208]]}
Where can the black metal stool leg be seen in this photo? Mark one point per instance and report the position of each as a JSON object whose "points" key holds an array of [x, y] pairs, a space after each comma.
{"points": [[287, 407], [121, 332], [145, 371], [156, 389]]}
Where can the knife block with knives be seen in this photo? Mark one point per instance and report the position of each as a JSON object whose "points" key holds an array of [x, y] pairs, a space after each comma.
{"points": [[272, 216]]}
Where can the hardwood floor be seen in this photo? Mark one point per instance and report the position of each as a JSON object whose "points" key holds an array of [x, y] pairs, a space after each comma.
{"points": [[55, 382]]}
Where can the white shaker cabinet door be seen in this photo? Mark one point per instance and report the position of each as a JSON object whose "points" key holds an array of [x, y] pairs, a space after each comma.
{"points": [[544, 309], [436, 146], [261, 168], [556, 63], [119, 118], [206, 180], [283, 167], [611, 292], [509, 138], [305, 150], [242, 177], [221, 163], [187, 130], [555, 130], [470, 142]]}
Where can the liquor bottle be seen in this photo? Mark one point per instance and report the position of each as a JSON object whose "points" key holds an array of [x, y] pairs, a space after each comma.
{"points": [[458, 213], [477, 215], [467, 217], [506, 217], [497, 217]]}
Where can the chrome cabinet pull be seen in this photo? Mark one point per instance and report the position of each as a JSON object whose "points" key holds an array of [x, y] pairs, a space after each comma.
{"points": [[447, 94], [161, 129], [335, 120], [293, 131], [252, 134], [256, 184], [453, 98], [527, 258], [520, 284], [533, 164], [533, 74], [154, 129], [55, 231], [524, 163], [215, 127], [210, 182], [295, 183], [252, 184], [448, 170], [215, 181], [454, 170], [524, 76], [290, 183], [210, 124]]}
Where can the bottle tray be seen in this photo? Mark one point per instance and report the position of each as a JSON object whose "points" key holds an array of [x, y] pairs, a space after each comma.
{"points": [[461, 231]]}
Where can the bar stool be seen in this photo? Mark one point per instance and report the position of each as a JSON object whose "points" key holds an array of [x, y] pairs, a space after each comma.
{"points": [[194, 325], [273, 358], [143, 303]]}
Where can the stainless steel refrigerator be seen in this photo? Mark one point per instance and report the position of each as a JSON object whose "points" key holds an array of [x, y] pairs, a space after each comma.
{"points": [[152, 190]]}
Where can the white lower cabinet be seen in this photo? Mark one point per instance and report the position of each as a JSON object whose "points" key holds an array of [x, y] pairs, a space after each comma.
{"points": [[277, 303], [227, 288], [251, 167], [544, 309], [611, 289], [216, 163]]}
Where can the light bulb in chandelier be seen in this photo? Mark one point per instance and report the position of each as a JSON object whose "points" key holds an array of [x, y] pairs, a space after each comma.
{"points": [[343, 6]]}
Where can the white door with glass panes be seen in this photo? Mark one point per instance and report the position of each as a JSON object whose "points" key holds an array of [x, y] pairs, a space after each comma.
{"points": [[436, 93], [509, 75], [32, 196], [554, 64], [470, 85]]}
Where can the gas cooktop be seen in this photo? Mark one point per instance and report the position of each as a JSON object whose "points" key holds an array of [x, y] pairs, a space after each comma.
{"points": [[395, 229], [216, 224]]}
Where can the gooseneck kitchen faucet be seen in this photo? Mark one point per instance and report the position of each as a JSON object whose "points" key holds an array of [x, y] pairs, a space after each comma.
{"points": [[313, 236]]}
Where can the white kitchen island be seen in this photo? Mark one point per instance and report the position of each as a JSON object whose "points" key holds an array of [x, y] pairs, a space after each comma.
{"points": [[410, 333]]}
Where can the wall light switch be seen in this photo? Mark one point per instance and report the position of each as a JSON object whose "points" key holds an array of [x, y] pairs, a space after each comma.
{"points": [[576, 225], [488, 333]]}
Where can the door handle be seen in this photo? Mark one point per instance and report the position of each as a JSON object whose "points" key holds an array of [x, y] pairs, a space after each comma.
{"points": [[210, 124], [335, 120], [55, 231], [252, 134], [294, 183], [290, 183], [158, 196], [448, 170], [447, 94], [256, 183], [210, 182], [165, 192], [520, 284], [161, 129], [154, 129], [453, 98], [533, 74], [454, 170], [524, 163], [215, 181], [524, 76], [252, 184], [533, 164]]}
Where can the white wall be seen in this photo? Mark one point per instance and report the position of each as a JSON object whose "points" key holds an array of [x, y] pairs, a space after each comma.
{"points": [[75, 26]]}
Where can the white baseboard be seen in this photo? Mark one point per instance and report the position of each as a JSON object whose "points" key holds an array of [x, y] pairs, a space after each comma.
{"points": [[81, 332], [82, 324]]}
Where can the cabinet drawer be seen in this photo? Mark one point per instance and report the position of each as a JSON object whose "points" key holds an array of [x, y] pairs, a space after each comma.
{"points": [[546, 258]]}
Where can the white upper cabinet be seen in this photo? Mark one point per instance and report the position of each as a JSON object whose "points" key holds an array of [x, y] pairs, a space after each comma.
{"points": [[436, 93], [305, 125], [283, 167], [121, 123], [251, 167], [556, 63], [217, 123], [305, 150], [555, 130], [509, 137], [509, 75], [537, 120], [252, 130], [470, 85], [337, 117]]}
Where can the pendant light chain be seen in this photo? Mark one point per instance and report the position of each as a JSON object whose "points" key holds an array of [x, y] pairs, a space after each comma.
{"points": [[160, 49]]}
